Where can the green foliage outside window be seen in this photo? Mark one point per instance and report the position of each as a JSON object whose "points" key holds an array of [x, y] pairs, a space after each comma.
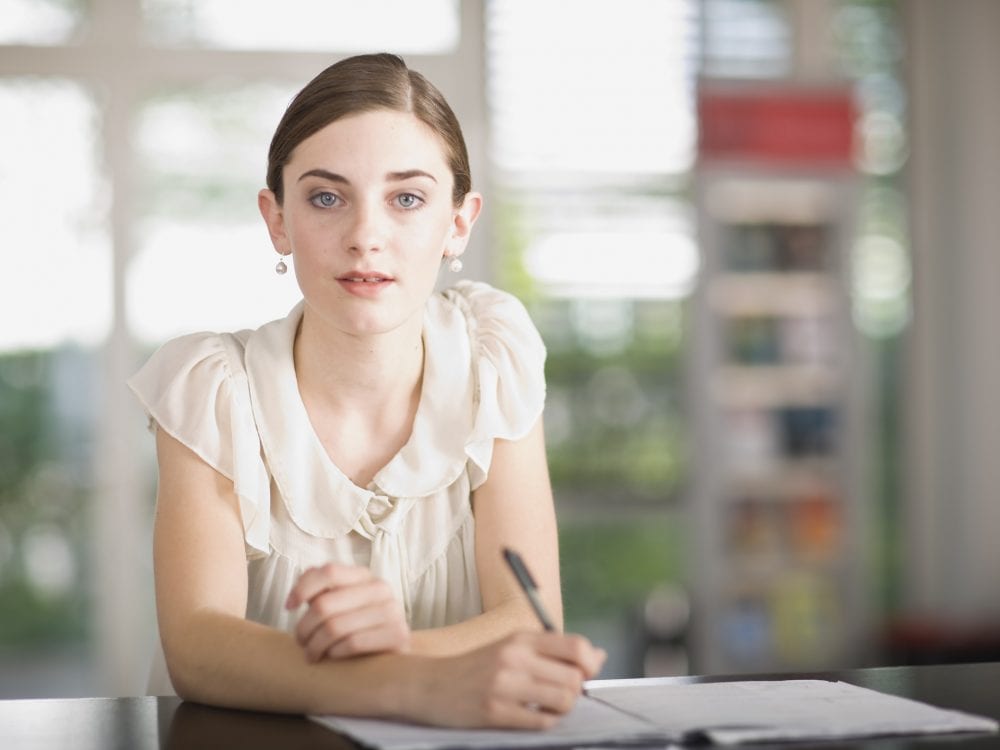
{"points": [[44, 487]]}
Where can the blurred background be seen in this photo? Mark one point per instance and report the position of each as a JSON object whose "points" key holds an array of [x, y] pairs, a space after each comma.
{"points": [[758, 236]]}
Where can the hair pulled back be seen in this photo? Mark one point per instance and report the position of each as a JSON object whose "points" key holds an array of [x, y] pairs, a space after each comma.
{"points": [[365, 83]]}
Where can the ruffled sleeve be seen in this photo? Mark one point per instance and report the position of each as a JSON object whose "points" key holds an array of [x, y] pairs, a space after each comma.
{"points": [[195, 387], [508, 364]]}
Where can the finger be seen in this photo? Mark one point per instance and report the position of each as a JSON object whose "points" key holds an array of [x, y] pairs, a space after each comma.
{"points": [[556, 673], [316, 580], [549, 697], [333, 604], [387, 636], [572, 649], [517, 700], [358, 631]]}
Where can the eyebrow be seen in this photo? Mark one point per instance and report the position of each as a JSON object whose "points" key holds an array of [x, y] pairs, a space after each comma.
{"points": [[406, 174]]}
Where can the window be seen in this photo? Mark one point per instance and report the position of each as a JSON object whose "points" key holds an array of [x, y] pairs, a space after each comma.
{"points": [[55, 304], [592, 146], [202, 151], [131, 202]]}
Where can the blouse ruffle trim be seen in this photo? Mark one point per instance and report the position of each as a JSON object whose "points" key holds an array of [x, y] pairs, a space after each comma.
{"points": [[509, 373], [195, 388]]}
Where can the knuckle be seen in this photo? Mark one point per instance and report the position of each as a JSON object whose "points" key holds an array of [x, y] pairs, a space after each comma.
{"points": [[324, 606], [331, 628], [507, 658], [578, 644]]}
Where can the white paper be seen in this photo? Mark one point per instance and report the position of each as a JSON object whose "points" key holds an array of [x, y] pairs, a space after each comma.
{"points": [[734, 712], [663, 712], [589, 722]]}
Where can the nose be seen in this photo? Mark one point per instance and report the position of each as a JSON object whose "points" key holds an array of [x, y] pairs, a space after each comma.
{"points": [[366, 231]]}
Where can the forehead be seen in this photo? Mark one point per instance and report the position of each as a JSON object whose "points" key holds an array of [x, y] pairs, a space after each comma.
{"points": [[382, 138]]}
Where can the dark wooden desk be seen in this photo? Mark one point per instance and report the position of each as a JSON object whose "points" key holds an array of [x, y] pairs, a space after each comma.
{"points": [[150, 723]]}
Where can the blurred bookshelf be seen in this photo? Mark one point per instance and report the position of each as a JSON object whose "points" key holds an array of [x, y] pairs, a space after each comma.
{"points": [[776, 499]]}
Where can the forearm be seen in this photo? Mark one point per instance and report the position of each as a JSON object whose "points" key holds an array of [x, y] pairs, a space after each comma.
{"points": [[527, 680], [225, 660], [502, 620]]}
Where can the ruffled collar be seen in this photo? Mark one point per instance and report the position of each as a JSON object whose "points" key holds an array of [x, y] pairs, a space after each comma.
{"points": [[319, 497]]}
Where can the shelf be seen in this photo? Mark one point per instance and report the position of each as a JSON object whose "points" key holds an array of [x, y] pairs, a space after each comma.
{"points": [[746, 200], [784, 481], [780, 294], [757, 579], [775, 386]]}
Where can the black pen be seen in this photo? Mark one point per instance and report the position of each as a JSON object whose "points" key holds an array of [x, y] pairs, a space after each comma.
{"points": [[528, 584]]}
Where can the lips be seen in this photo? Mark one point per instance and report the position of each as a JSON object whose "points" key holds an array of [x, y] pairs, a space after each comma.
{"points": [[368, 278], [368, 285]]}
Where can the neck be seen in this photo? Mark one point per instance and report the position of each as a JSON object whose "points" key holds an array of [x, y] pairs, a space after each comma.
{"points": [[353, 374]]}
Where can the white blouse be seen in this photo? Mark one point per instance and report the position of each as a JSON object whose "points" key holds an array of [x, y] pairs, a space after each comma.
{"points": [[233, 399]]}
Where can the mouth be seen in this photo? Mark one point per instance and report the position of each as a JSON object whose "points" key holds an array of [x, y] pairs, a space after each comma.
{"points": [[364, 278], [369, 285]]}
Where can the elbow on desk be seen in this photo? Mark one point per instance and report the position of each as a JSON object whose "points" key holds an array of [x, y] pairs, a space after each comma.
{"points": [[205, 652], [184, 675], [193, 663]]}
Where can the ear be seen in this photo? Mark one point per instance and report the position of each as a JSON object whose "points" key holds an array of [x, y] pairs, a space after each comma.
{"points": [[461, 227], [274, 217]]}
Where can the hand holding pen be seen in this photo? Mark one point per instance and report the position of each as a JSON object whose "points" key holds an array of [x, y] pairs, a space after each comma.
{"points": [[530, 588]]}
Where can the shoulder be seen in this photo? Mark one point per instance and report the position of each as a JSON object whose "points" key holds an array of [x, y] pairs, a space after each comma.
{"points": [[479, 299], [206, 347], [507, 368], [195, 389], [196, 359], [495, 317]]}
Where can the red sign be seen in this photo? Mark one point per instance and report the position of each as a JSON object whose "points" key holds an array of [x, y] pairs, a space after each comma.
{"points": [[777, 126]]}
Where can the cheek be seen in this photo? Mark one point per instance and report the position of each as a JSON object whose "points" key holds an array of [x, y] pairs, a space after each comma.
{"points": [[439, 234]]}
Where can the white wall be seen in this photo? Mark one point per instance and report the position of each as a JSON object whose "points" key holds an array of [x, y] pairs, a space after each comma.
{"points": [[951, 405]]}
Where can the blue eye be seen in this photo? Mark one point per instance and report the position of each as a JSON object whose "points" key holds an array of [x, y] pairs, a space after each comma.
{"points": [[408, 200], [324, 200]]}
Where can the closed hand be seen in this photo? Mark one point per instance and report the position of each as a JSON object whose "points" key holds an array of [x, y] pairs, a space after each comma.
{"points": [[351, 612]]}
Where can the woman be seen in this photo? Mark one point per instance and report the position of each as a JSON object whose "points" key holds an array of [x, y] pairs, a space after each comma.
{"points": [[336, 487]]}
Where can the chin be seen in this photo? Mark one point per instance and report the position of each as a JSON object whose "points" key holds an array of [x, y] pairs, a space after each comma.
{"points": [[375, 323]]}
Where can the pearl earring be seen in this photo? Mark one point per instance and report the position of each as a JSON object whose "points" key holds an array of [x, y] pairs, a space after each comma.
{"points": [[281, 268], [455, 265]]}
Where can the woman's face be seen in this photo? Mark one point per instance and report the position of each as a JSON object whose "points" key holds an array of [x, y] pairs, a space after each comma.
{"points": [[368, 216]]}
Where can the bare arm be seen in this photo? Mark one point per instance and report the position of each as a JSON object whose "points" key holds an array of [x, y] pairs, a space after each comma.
{"points": [[513, 508], [214, 655]]}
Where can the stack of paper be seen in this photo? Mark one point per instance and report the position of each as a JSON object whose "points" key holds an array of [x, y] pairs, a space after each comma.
{"points": [[630, 712]]}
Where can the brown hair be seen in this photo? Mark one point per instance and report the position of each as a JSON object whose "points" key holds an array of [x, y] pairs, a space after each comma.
{"points": [[361, 84]]}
